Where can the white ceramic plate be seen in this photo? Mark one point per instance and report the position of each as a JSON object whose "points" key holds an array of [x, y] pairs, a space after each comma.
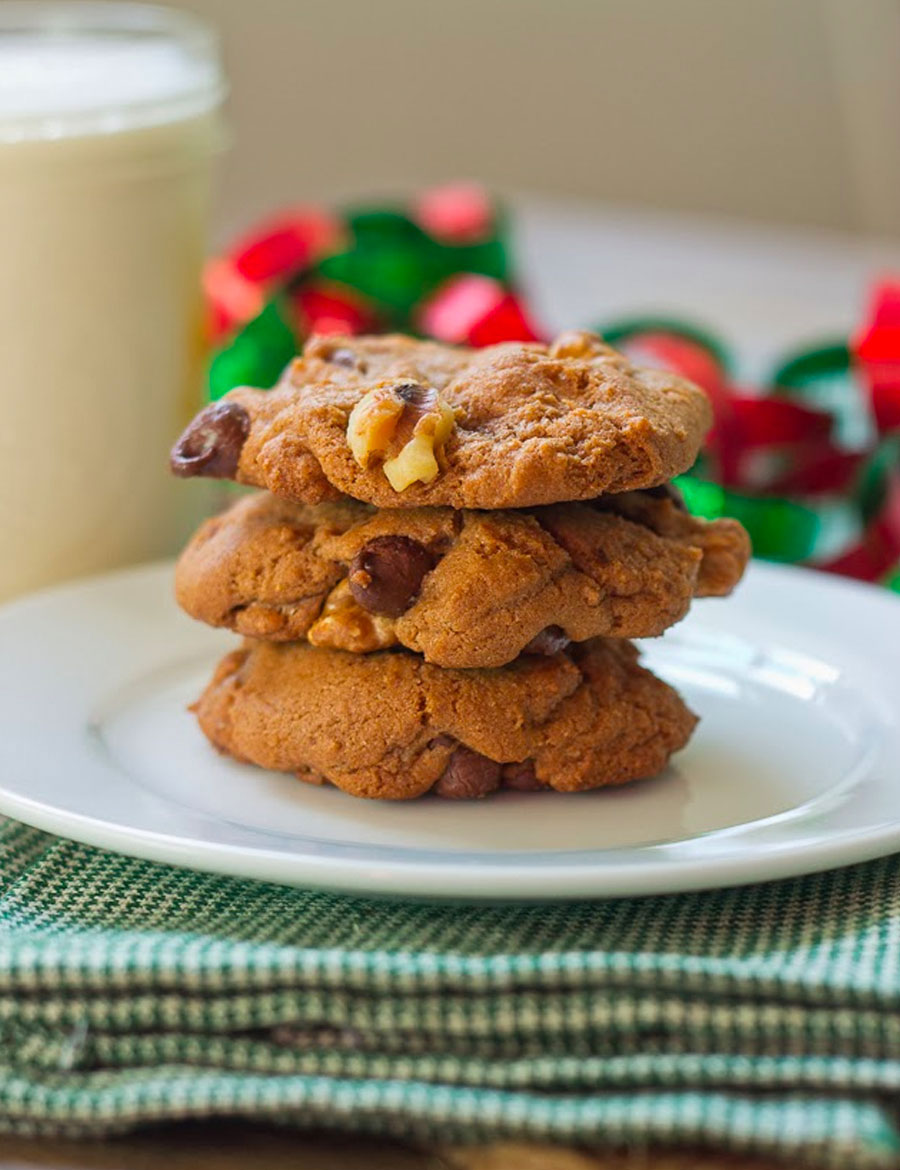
{"points": [[795, 766]]}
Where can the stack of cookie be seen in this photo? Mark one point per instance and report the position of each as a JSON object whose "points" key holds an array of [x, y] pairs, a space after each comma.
{"points": [[437, 585]]}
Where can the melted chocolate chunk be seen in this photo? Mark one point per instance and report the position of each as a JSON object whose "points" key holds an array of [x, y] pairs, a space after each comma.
{"points": [[386, 574], [468, 776], [521, 777], [212, 443]]}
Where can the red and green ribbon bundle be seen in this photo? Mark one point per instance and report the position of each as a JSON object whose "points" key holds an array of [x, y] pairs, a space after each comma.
{"points": [[438, 267], [809, 462]]}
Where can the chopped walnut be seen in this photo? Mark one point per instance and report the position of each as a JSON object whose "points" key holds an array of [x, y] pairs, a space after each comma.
{"points": [[344, 625], [405, 425], [578, 343]]}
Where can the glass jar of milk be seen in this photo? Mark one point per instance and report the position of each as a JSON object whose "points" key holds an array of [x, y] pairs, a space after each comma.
{"points": [[109, 120]]}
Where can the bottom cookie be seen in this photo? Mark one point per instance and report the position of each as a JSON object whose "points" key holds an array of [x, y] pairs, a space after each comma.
{"points": [[391, 726]]}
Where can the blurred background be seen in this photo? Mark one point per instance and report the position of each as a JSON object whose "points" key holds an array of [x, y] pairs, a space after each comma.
{"points": [[779, 110]]}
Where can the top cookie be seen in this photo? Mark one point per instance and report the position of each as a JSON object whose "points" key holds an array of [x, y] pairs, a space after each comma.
{"points": [[397, 422]]}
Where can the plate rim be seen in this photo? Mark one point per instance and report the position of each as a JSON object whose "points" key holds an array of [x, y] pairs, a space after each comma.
{"points": [[330, 874]]}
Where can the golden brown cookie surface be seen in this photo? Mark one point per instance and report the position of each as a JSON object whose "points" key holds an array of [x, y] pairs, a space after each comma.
{"points": [[466, 589], [391, 726], [397, 422]]}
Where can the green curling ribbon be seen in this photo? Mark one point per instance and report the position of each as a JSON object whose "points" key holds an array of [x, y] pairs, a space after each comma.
{"points": [[780, 529], [808, 366], [824, 377], [256, 356], [626, 327], [892, 581], [872, 485], [395, 263], [383, 227]]}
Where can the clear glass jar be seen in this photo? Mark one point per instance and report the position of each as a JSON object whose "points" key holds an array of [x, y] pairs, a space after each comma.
{"points": [[109, 122]]}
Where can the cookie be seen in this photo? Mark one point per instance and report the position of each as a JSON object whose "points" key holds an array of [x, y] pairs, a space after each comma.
{"points": [[391, 726], [397, 422], [463, 588]]}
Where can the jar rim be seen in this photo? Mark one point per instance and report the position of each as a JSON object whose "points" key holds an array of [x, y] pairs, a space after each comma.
{"points": [[195, 86]]}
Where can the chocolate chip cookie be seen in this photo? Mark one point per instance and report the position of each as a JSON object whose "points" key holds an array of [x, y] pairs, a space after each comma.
{"points": [[397, 422], [463, 588], [391, 726]]}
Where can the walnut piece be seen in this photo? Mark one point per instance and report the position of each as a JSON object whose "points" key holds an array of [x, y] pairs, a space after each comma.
{"points": [[343, 624], [404, 425], [579, 344]]}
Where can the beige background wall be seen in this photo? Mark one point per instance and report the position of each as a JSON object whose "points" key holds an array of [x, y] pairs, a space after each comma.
{"points": [[779, 109]]}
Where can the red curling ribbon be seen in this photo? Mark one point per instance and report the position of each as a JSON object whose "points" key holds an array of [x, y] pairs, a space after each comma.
{"points": [[319, 309], [748, 426], [507, 321], [877, 350], [231, 299], [772, 422], [281, 246], [885, 398], [681, 355], [456, 213], [879, 549], [475, 310], [820, 471]]}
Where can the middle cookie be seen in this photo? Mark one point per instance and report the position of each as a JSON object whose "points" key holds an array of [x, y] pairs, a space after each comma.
{"points": [[465, 589]]}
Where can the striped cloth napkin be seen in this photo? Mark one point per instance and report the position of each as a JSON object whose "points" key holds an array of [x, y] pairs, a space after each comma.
{"points": [[764, 1020]]}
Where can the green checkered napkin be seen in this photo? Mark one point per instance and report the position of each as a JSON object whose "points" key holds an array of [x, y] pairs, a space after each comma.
{"points": [[765, 1019]]}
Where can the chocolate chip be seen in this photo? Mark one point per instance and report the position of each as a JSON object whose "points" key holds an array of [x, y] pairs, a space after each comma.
{"points": [[667, 491], [468, 775], [549, 641], [212, 443], [343, 357], [521, 777], [386, 574]]}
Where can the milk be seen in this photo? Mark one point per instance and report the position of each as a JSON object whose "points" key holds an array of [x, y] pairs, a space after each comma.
{"points": [[108, 125]]}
